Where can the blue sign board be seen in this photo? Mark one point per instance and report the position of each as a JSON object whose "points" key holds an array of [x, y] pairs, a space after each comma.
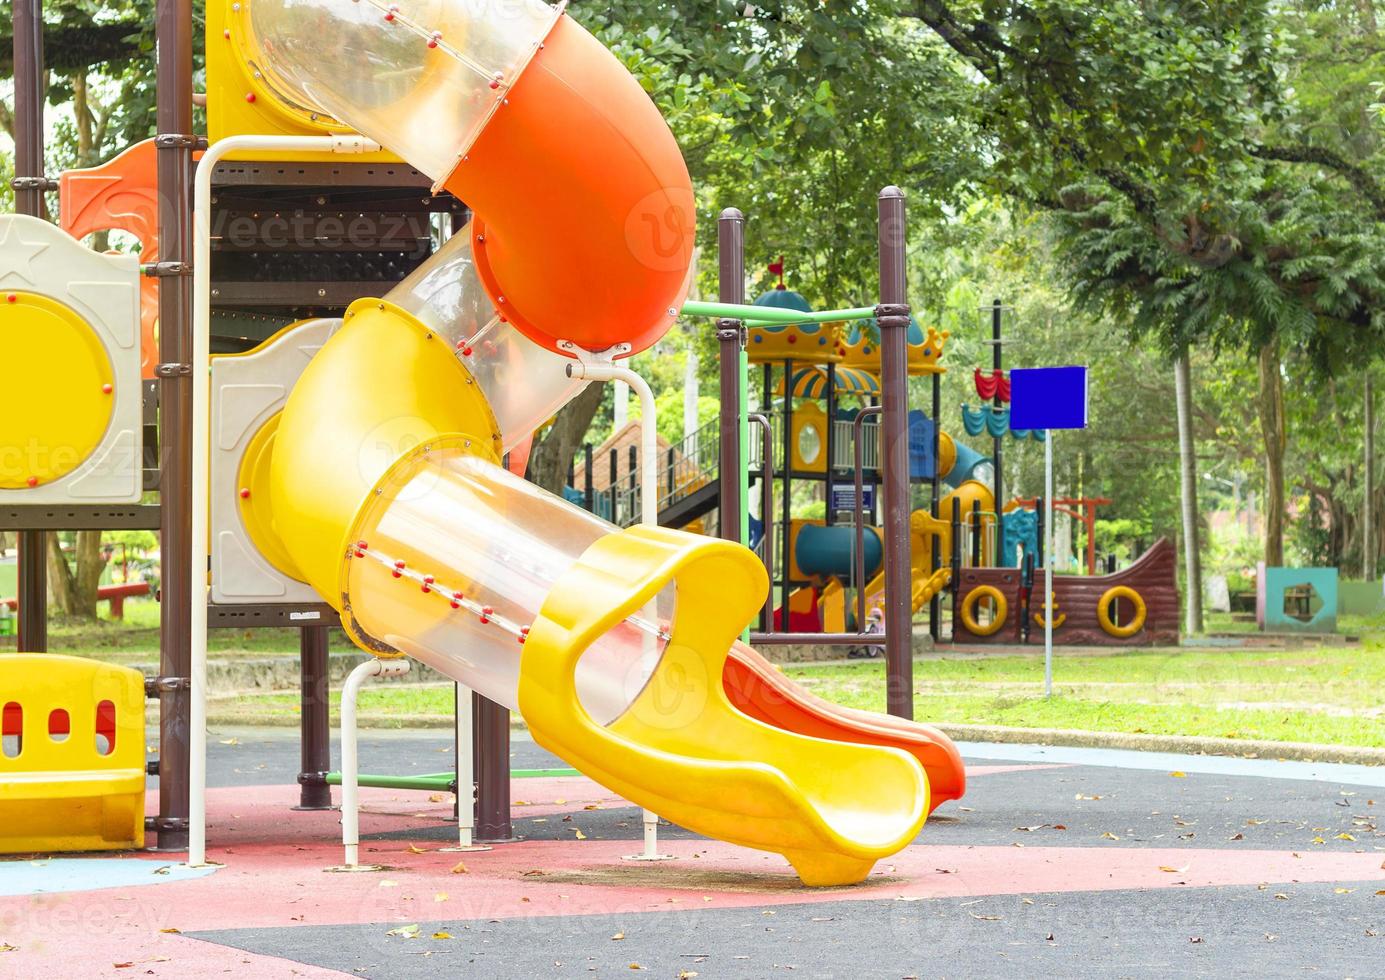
{"points": [[1048, 398]]}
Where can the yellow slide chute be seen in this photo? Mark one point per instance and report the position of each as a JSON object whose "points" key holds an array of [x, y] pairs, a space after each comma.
{"points": [[385, 484]]}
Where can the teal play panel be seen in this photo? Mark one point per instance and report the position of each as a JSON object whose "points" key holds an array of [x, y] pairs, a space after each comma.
{"points": [[1296, 600]]}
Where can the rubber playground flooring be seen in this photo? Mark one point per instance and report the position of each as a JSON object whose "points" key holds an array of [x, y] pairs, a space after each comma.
{"points": [[1061, 862]]}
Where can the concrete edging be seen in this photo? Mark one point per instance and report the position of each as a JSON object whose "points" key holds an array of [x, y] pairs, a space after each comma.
{"points": [[1183, 744]]}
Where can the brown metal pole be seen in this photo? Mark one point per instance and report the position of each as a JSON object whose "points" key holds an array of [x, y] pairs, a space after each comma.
{"points": [[315, 743], [28, 199], [491, 759], [173, 24], [730, 340], [893, 316]]}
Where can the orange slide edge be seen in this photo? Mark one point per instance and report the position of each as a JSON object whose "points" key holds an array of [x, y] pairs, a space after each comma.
{"points": [[760, 690]]}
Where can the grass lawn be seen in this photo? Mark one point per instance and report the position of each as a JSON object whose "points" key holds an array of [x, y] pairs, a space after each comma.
{"points": [[1329, 694], [136, 638]]}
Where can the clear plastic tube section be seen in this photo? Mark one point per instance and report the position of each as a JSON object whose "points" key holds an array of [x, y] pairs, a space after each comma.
{"points": [[455, 558], [421, 77], [525, 384]]}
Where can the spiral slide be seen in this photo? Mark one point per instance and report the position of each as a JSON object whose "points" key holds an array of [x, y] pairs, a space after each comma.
{"points": [[385, 489]]}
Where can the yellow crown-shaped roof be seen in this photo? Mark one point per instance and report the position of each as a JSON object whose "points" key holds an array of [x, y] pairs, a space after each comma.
{"points": [[812, 342], [861, 344]]}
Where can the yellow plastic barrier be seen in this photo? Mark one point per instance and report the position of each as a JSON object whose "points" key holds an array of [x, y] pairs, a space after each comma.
{"points": [[72, 757]]}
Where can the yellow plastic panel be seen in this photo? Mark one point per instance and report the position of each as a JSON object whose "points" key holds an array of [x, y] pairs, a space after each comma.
{"points": [[58, 395], [682, 750], [244, 98], [62, 793]]}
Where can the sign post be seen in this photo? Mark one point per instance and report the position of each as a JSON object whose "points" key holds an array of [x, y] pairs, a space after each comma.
{"points": [[1048, 399]]}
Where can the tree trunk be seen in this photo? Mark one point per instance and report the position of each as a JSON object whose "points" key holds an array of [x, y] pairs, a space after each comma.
{"points": [[1187, 465], [1270, 404], [1368, 518], [548, 465], [75, 590]]}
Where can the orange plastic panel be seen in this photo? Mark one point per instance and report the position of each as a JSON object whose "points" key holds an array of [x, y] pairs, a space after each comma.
{"points": [[121, 194]]}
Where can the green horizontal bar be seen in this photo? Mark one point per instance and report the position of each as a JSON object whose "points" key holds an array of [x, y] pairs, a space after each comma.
{"points": [[439, 780], [766, 315]]}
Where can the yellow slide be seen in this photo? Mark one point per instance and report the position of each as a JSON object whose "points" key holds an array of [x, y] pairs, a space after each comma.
{"points": [[384, 480]]}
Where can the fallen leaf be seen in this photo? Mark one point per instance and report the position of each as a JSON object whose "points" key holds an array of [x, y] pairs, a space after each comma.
{"points": [[7, 948], [578, 832], [619, 935], [1343, 891], [1176, 871], [636, 966], [985, 918], [1319, 840], [1194, 939], [686, 974], [459, 868], [1237, 837], [230, 741], [414, 849], [171, 930], [1109, 836], [1178, 774], [1344, 836], [1281, 896], [405, 932], [121, 966], [437, 798], [442, 935]]}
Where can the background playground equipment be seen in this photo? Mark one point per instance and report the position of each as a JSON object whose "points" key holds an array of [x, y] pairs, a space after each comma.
{"points": [[71, 400], [1296, 600], [1137, 606], [72, 765]]}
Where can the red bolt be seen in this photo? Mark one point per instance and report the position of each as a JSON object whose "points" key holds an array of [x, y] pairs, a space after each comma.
{"points": [[484, 620], [362, 545], [466, 351], [389, 15], [524, 630], [226, 33], [397, 573], [429, 579], [32, 481], [432, 42], [793, 338], [494, 84], [521, 638], [249, 96], [426, 589], [11, 298], [454, 604], [244, 493], [503, 320], [458, 596], [399, 564], [359, 553], [486, 610], [107, 389]]}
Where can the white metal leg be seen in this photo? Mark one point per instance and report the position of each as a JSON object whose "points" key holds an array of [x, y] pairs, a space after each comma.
{"points": [[466, 775], [350, 762]]}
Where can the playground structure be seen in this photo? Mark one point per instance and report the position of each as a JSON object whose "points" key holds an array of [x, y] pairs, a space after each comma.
{"points": [[326, 478]]}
